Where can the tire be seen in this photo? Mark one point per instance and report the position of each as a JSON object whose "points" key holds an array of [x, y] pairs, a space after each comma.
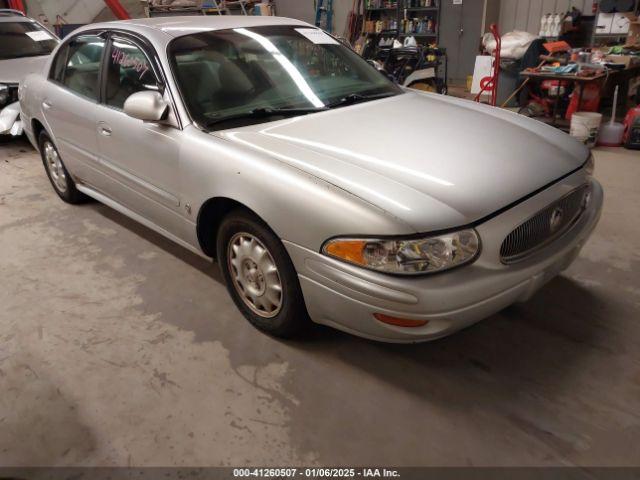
{"points": [[58, 175], [247, 250]]}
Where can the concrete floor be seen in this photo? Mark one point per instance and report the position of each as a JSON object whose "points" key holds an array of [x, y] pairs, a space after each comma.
{"points": [[119, 348]]}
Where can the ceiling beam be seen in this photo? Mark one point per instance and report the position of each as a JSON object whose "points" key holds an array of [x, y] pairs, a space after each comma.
{"points": [[118, 10]]}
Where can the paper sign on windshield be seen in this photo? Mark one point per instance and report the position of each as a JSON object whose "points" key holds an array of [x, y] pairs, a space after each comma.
{"points": [[317, 36], [39, 36]]}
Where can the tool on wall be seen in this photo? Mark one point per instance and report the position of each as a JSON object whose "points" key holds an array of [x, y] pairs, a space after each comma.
{"points": [[490, 84], [324, 8]]}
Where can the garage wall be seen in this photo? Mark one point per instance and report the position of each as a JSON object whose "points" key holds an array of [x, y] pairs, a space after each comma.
{"points": [[526, 14], [74, 11], [304, 10], [79, 11]]}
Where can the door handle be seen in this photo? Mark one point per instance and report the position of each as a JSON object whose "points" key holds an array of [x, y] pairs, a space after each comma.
{"points": [[46, 105], [105, 130]]}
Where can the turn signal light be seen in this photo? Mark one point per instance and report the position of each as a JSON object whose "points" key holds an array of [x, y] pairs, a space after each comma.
{"points": [[400, 322], [349, 250]]}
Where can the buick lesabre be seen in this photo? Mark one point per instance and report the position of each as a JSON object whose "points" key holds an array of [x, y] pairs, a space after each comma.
{"points": [[324, 191]]}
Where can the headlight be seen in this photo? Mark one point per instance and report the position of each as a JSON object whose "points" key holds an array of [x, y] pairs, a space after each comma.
{"points": [[407, 256], [590, 166], [4, 95]]}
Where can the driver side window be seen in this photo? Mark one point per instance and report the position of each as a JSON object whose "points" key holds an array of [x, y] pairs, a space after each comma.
{"points": [[128, 71]]}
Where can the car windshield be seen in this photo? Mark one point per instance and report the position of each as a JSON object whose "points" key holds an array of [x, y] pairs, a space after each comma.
{"points": [[250, 75], [24, 39]]}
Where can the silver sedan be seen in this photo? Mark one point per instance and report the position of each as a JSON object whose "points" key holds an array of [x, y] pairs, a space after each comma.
{"points": [[324, 191]]}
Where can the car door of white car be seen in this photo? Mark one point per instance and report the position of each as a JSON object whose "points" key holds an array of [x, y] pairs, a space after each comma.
{"points": [[68, 104], [140, 160]]}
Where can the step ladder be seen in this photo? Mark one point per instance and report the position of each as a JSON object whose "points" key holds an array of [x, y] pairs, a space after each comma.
{"points": [[324, 8]]}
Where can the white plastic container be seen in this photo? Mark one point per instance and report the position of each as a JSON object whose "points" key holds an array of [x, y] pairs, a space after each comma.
{"points": [[585, 127], [611, 133]]}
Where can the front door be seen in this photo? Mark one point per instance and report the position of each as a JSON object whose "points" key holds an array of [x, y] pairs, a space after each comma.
{"points": [[140, 160]]}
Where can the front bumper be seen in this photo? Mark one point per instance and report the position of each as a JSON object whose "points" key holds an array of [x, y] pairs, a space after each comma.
{"points": [[10, 123], [346, 297]]}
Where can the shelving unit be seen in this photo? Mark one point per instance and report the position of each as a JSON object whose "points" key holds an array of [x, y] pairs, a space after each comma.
{"points": [[420, 19], [389, 20], [403, 18], [381, 17]]}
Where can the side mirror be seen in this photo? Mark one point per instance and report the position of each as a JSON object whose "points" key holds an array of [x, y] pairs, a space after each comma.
{"points": [[147, 105]]}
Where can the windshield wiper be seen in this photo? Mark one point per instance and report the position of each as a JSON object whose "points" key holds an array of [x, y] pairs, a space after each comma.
{"points": [[264, 113], [354, 98]]}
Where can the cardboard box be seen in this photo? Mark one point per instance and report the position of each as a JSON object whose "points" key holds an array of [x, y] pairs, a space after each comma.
{"points": [[628, 60], [633, 37]]}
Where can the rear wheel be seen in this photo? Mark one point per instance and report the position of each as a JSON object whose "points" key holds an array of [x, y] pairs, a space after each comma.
{"points": [[260, 275], [58, 175]]}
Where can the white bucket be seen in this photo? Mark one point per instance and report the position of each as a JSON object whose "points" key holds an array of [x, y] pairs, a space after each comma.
{"points": [[585, 126]]}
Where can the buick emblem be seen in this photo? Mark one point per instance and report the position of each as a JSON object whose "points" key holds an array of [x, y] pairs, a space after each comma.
{"points": [[556, 219]]}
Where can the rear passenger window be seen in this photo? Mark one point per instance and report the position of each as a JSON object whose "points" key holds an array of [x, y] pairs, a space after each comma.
{"points": [[82, 70], [129, 72]]}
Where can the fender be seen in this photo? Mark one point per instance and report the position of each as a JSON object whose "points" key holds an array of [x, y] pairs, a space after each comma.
{"points": [[280, 194]]}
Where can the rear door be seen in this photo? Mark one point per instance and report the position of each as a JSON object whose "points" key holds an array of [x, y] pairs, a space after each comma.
{"points": [[69, 104], [139, 159]]}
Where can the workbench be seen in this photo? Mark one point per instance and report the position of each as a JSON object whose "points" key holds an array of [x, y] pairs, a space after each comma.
{"points": [[609, 78], [577, 79]]}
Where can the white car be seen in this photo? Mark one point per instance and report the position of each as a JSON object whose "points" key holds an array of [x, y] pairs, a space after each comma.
{"points": [[25, 46]]}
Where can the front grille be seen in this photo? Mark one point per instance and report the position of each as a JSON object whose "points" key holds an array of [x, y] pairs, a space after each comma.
{"points": [[545, 226]]}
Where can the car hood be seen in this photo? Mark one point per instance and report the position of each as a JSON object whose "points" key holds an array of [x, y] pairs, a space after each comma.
{"points": [[15, 69], [434, 162]]}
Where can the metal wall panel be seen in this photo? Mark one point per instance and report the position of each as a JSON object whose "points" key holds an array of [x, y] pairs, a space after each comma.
{"points": [[525, 14], [535, 13]]}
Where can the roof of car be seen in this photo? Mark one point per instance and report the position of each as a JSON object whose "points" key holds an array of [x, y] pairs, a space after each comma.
{"points": [[8, 15], [185, 25]]}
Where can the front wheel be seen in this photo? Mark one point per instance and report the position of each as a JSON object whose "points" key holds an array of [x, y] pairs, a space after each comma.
{"points": [[260, 276]]}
